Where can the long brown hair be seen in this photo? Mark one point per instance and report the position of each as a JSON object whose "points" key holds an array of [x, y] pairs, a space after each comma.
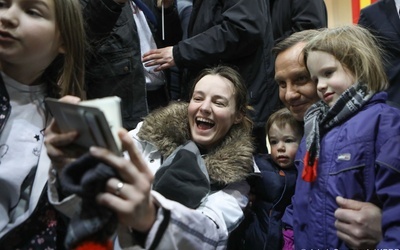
{"points": [[65, 75]]}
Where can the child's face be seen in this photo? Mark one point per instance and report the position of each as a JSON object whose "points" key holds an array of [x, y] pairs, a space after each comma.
{"points": [[284, 144], [29, 37], [331, 77]]}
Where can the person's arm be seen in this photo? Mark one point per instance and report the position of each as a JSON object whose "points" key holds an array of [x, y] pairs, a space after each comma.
{"points": [[208, 226], [358, 223], [290, 16], [238, 34], [308, 14], [100, 17], [367, 21], [160, 222], [178, 227], [145, 216], [168, 31], [363, 20], [370, 19]]}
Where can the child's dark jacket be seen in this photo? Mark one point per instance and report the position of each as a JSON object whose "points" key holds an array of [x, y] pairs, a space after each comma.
{"points": [[273, 192]]}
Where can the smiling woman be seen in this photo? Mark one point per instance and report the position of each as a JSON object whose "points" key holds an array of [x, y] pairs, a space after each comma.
{"points": [[207, 140], [213, 109]]}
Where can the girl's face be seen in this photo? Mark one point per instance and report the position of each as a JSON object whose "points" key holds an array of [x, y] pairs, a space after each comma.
{"points": [[331, 77], [29, 37], [212, 110], [284, 144]]}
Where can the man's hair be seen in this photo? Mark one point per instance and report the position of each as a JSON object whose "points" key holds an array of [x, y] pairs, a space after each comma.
{"points": [[295, 38]]}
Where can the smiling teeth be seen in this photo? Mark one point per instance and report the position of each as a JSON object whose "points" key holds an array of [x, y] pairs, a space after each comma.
{"points": [[199, 119]]}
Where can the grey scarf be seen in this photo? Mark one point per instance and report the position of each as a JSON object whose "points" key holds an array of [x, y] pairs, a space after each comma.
{"points": [[319, 119]]}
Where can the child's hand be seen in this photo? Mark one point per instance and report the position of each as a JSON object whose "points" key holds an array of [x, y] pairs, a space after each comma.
{"points": [[58, 144], [358, 223]]}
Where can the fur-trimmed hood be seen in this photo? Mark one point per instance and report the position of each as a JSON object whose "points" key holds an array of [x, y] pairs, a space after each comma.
{"points": [[230, 161]]}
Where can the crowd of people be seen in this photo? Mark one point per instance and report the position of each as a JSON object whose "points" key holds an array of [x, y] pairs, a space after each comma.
{"points": [[246, 125]]}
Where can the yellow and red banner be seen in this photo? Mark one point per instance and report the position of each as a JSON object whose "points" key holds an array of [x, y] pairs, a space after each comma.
{"points": [[357, 5]]}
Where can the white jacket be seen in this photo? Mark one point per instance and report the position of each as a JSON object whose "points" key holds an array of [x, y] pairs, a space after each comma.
{"points": [[206, 227], [37, 189], [177, 226]]}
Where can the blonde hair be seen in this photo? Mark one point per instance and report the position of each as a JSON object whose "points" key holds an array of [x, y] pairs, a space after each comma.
{"points": [[356, 49], [65, 75]]}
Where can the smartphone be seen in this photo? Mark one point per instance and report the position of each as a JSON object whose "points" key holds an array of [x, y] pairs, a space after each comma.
{"points": [[90, 122]]}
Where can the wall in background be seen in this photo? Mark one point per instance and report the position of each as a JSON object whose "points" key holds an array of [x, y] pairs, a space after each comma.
{"points": [[342, 12]]}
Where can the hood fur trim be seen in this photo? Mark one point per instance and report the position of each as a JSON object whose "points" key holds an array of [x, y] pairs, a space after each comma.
{"points": [[231, 161]]}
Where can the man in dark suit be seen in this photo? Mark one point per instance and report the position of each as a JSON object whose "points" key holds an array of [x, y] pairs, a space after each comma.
{"points": [[382, 19]]}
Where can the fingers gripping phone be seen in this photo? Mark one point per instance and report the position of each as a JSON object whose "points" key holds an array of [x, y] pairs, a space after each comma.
{"points": [[96, 121]]}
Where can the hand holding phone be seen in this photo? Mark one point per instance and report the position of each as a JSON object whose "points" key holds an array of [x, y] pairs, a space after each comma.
{"points": [[96, 121]]}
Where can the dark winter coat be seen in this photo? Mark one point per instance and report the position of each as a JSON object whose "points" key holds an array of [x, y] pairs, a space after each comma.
{"points": [[114, 65], [273, 192], [237, 33]]}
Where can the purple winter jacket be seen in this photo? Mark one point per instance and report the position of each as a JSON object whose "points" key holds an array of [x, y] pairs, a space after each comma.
{"points": [[359, 159]]}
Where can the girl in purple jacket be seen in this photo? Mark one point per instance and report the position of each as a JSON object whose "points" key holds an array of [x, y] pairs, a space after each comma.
{"points": [[352, 140]]}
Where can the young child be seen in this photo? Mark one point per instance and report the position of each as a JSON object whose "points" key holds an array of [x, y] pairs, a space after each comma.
{"points": [[41, 54], [273, 192], [352, 140]]}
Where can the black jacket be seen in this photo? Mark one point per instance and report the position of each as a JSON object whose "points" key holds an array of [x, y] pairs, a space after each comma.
{"points": [[114, 65], [236, 33], [289, 16], [273, 192], [383, 20]]}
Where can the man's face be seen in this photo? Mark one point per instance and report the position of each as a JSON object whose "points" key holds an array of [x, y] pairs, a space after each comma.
{"points": [[296, 90]]}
